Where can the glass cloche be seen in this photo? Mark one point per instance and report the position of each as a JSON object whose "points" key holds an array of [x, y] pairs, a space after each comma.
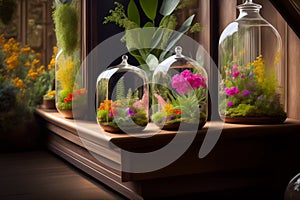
{"points": [[180, 94], [122, 98], [251, 88]]}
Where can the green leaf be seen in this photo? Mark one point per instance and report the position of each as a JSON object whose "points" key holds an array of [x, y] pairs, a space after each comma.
{"points": [[133, 13], [149, 7], [149, 24], [177, 35], [168, 6], [152, 62], [156, 39]]}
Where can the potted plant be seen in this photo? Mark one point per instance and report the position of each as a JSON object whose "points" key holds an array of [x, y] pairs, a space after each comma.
{"points": [[22, 78]]}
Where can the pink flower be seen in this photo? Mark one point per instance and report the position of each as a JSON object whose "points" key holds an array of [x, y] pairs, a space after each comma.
{"points": [[181, 84], [235, 74], [235, 71], [160, 100], [232, 91], [184, 82]]}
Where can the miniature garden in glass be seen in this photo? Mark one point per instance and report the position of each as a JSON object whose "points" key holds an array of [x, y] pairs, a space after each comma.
{"points": [[251, 87], [180, 93], [122, 98]]}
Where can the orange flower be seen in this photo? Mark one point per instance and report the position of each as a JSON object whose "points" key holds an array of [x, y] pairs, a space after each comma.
{"points": [[18, 83], [25, 50]]}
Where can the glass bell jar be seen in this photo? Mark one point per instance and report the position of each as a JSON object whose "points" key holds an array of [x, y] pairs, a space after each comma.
{"points": [[70, 99], [122, 98], [180, 94], [252, 75], [70, 96]]}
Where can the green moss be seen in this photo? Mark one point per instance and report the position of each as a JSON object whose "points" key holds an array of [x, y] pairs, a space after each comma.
{"points": [[66, 26]]}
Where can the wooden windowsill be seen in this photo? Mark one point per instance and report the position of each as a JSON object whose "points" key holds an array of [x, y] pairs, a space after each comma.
{"points": [[242, 149]]}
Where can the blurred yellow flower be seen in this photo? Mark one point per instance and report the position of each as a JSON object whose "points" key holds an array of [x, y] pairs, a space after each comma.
{"points": [[19, 83], [25, 50], [21, 68], [168, 108]]}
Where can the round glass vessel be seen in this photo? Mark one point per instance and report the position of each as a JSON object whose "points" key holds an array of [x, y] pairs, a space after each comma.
{"points": [[180, 93], [122, 98], [70, 95], [252, 82]]}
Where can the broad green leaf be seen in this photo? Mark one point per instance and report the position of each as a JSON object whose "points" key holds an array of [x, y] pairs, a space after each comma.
{"points": [[168, 6], [150, 8], [137, 56], [156, 39], [152, 62], [145, 36], [177, 35], [133, 13]]}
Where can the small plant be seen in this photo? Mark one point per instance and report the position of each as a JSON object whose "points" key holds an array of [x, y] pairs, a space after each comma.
{"points": [[21, 67], [50, 95], [187, 105], [151, 42], [126, 112], [250, 91]]}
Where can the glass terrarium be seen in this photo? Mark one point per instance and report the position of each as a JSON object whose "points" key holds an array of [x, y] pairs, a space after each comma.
{"points": [[70, 93], [180, 94], [122, 98], [252, 82]]}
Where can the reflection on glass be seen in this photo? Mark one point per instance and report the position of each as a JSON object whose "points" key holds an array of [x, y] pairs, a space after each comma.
{"points": [[296, 5]]}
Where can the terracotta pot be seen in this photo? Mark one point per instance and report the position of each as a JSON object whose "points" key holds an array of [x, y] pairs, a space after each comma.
{"points": [[48, 103]]}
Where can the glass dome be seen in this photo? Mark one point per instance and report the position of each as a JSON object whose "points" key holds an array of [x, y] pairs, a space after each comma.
{"points": [[70, 93], [180, 93], [122, 98], [252, 75]]}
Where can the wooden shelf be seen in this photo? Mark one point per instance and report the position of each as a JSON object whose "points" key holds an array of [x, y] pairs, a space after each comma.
{"points": [[244, 156]]}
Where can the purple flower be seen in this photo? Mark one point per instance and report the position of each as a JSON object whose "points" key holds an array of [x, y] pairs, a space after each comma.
{"points": [[130, 112], [171, 117], [232, 91], [245, 93], [229, 104]]}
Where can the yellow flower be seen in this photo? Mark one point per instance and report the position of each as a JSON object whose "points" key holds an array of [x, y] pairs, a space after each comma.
{"points": [[27, 64], [19, 83], [25, 49], [277, 58], [38, 55], [40, 69], [259, 69], [67, 73], [168, 108], [35, 62], [12, 62]]}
